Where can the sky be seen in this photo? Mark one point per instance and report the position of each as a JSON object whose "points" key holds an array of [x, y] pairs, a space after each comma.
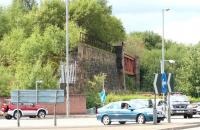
{"points": [[182, 21]]}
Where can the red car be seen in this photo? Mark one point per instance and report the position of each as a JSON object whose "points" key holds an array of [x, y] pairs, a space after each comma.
{"points": [[25, 109]]}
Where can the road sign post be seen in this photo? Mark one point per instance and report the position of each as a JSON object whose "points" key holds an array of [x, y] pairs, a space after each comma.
{"points": [[43, 96], [168, 100], [154, 106], [18, 120]]}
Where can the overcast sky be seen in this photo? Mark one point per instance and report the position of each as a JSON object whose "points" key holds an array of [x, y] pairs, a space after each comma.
{"points": [[182, 22]]}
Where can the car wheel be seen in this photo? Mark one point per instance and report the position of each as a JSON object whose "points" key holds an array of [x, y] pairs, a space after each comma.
{"points": [[190, 116], [8, 117], [32, 116], [158, 121], [122, 122], [140, 119], [17, 115], [185, 116], [106, 120], [41, 114]]}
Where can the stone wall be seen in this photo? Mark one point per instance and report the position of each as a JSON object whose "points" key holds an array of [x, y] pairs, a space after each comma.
{"points": [[92, 61]]}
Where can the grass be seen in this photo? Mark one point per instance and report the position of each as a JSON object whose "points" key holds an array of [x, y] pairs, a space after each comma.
{"points": [[112, 97]]}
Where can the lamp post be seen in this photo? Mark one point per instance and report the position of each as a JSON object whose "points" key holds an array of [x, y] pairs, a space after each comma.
{"points": [[36, 88], [67, 61], [163, 46], [163, 51]]}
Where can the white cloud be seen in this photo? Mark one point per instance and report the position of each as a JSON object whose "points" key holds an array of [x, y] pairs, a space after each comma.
{"points": [[187, 31], [139, 22], [182, 22]]}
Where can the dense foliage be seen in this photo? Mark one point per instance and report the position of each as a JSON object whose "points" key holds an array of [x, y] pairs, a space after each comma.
{"points": [[146, 45], [32, 38], [32, 44]]}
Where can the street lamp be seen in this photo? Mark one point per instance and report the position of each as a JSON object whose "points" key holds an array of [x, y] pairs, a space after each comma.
{"points": [[171, 61], [36, 89], [67, 60], [163, 53]]}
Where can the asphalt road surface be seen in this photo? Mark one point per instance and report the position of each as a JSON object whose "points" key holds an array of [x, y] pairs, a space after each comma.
{"points": [[90, 123]]}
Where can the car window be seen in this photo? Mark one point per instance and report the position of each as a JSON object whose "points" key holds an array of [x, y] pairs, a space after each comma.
{"points": [[140, 103], [112, 106], [125, 105], [28, 104], [116, 106], [160, 103]]}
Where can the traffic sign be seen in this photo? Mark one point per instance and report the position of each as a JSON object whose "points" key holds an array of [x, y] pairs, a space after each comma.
{"points": [[164, 83], [43, 96], [168, 82], [155, 83]]}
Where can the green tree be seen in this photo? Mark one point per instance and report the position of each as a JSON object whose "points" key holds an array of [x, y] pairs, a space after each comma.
{"points": [[6, 80], [150, 39], [4, 26], [95, 16]]}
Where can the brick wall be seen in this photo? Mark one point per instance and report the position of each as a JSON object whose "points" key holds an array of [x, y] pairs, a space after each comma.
{"points": [[77, 105]]}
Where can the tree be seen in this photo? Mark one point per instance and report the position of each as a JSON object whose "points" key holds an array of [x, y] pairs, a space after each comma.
{"points": [[95, 17], [5, 81], [134, 46], [4, 22], [151, 40]]}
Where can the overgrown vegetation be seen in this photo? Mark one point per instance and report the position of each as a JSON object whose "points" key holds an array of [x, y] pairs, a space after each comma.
{"points": [[94, 87], [32, 44], [32, 38], [147, 46]]}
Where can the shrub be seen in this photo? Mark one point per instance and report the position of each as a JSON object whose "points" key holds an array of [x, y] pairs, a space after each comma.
{"points": [[94, 86]]}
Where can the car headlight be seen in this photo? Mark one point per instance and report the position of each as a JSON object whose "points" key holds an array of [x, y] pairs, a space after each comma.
{"points": [[189, 106]]}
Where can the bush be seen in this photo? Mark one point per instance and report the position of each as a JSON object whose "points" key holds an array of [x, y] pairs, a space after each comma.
{"points": [[193, 99], [94, 86], [124, 97]]}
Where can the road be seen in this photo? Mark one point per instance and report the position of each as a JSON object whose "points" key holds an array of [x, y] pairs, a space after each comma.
{"points": [[90, 123]]}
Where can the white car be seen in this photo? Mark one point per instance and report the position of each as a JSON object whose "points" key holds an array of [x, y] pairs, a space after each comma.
{"points": [[196, 107]]}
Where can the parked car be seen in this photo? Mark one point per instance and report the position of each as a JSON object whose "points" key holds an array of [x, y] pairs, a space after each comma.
{"points": [[142, 102], [196, 107], [180, 105], [25, 109], [123, 112], [148, 103]]}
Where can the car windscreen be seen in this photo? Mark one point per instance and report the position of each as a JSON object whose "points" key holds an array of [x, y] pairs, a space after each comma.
{"points": [[179, 99], [140, 103]]}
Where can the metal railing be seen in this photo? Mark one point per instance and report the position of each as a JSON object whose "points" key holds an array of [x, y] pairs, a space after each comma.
{"points": [[85, 38]]}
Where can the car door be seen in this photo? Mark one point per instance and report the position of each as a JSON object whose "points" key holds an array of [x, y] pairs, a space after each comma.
{"points": [[126, 113], [31, 109], [114, 111]]}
